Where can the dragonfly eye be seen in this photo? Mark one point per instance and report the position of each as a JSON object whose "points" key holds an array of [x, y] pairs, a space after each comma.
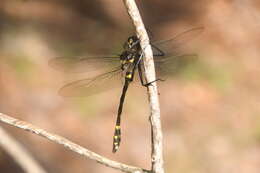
{"points": [[131, 41], [129, 44]]}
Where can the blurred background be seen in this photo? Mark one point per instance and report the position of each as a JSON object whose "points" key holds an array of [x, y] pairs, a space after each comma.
{"points": [[210, 108]]}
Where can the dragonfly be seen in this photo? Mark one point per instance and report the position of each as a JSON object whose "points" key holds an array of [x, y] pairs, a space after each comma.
{"points": [[129, 62]]}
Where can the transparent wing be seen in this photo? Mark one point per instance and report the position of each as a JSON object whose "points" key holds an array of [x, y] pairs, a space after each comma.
{"points": [[174, 64], [169, 55], [84, 64], [172, 46], [91, 86]]}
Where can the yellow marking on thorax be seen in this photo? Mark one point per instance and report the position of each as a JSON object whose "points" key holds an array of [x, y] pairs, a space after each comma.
{"points": [[129, 76], [131, 60]]}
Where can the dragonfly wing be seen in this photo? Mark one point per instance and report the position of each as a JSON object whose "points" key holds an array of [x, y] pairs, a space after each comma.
{"points": [[173, 64], [175, 43], [91, 86], [83, 64]]}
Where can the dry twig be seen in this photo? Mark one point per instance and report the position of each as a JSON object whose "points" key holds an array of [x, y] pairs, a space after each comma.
{"points": [[70, 145], [157, 153], [157, 157]]}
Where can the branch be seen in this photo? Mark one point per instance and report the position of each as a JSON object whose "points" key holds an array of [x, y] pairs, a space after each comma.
{"points": [[70, 145], [19, 154], [157, 154]]}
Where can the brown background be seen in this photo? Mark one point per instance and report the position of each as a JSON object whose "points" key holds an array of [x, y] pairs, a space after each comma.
{"points": [[210, 109]]}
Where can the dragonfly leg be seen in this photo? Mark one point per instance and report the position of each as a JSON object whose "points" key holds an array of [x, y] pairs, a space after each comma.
{"points": [[142, 80], [140, 71], [149, 83]]}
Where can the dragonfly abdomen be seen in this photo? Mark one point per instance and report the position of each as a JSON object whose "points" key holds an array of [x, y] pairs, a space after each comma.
{"points": [[116, 138]]}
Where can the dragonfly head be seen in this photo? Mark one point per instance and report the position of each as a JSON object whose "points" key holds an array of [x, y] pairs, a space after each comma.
{"points": [[132, 43]]}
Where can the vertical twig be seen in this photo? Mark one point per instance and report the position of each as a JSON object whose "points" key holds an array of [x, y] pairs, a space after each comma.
{"points": [[157, 153]]}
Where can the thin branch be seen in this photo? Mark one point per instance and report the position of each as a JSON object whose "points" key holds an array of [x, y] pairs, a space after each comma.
{"points": [[157, 153], [70, 145], [19, 154]]}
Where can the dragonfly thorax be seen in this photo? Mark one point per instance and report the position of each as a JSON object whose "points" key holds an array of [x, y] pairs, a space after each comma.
{"points": [[126, 58]]}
